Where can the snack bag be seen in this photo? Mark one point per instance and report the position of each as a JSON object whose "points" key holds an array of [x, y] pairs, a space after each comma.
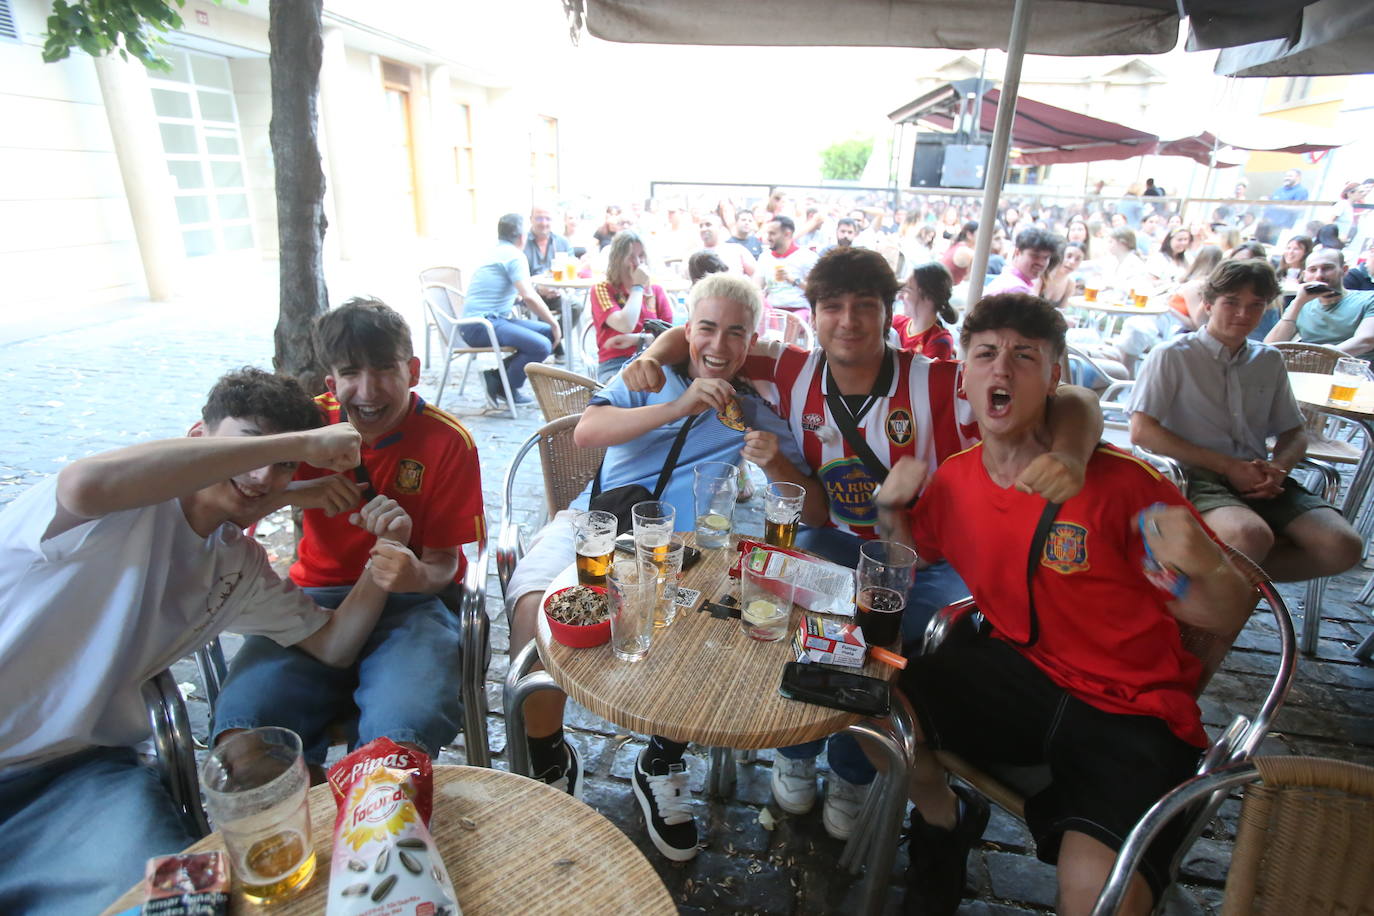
{"points": [[193, 884], [385, 861]]}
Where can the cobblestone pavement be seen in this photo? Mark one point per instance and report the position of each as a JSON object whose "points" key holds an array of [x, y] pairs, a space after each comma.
{"points": [[140, 371]]}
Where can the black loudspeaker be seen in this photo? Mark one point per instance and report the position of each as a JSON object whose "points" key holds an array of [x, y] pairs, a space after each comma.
{"points": [[928, 162]]}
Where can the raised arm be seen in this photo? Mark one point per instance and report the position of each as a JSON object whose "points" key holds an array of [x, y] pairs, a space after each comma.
{"points": [[604, 425], [1218, 598], [896, 497], [153, 472], [646, 372], [763, 448], [1075, 426]]}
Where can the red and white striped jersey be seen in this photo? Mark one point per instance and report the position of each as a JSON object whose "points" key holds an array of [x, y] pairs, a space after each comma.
{"points": [[920, 414]]}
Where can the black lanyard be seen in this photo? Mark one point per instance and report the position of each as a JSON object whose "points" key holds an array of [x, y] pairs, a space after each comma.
{"points": [[360, 474], [848, 420]]}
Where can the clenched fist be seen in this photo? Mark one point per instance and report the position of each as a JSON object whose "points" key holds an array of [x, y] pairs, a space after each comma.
{"points": [[332, 448]]}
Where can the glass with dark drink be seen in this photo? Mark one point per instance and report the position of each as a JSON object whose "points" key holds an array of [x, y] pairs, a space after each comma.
{"points": [[884, 577]]}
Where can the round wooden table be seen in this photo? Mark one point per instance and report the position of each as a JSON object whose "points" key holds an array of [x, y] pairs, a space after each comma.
{"points": [[532, 849], [703, 680]]}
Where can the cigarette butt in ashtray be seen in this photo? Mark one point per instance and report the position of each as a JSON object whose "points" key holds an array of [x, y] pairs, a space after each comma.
{"points": [[879, 654]]}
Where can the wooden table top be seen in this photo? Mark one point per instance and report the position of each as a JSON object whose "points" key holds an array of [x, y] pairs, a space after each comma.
{"points": [[1313, 388], [1156, 306], [669, 284], [703, 679], [533, 849]]}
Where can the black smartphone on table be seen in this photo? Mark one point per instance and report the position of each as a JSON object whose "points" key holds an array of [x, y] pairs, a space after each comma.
{"points": [[844, 690], [625, 543]]}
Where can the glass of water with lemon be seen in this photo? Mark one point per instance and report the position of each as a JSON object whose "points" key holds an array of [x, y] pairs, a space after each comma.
{"points": [[715, 488]]}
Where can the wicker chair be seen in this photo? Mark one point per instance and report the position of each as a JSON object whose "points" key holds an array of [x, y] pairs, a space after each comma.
{"points": [[560, 393], [1321, 359], [1304, 842], [567, 470], [1010, 786]]}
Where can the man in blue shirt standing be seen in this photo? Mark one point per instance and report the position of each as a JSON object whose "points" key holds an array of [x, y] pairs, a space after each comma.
{"points": [[1280, 218], [492, 294]]}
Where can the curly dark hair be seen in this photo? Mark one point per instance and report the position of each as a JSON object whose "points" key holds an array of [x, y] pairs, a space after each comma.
{"points": [[278, 402], [852, 270], [1254, 274], [1030, 316], [362, 332]]}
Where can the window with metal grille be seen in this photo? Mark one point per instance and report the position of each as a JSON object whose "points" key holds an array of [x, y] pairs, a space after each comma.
{"points": [[8, 27]]}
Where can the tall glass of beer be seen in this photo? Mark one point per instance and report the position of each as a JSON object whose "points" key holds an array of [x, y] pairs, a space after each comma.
{"points": [[653, 527], [594, 541], [255, 791], [884, 575], [782, 506]]}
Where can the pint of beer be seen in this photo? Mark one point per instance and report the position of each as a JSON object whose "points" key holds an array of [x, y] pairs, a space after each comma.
{"points": [[782, 505], [594, 541]]}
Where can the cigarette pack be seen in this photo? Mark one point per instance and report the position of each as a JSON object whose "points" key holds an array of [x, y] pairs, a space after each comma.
{"points": [[829, 642], [821, 586]]}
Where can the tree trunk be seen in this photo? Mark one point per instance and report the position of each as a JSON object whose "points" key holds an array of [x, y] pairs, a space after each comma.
{"points": [[297, 48]]}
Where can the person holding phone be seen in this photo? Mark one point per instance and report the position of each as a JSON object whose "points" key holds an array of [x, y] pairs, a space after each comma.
{"points": [[1325, 312]]}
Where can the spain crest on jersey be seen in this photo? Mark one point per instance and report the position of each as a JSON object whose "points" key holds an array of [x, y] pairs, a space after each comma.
{"points": [[1066, 548], [410, 474]]}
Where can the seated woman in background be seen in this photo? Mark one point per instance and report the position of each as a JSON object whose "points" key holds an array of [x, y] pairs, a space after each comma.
{"points": [[1288, 264], [925, 302], [1121, 268], [1080, 234], [959, 255], [1250, 249], [1170, 262], [622, 302], [1059, 281], [1186, 301]]}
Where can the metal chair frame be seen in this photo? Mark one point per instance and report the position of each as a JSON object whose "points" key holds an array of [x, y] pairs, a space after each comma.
{"points": [[1237, 743], [453, 277], [445, 317], [172, 742]]}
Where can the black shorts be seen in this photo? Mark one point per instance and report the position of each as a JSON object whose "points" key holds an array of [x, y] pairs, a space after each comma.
{"points": [[991, 705]]}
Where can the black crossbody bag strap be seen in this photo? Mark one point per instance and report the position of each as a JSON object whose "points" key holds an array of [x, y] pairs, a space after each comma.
{"points": [[1042, 533], [850, 430], [668, 465]]}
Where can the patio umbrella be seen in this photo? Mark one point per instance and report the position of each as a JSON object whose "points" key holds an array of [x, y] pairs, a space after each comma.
{"points": [[1064, 27], [1336, 36]]}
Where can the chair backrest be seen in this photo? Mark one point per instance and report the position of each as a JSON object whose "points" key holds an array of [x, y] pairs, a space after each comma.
{"points": [[1305, 839], [1308, 357], [567, 467], [444, 304], [560, 393], [448, 276]]}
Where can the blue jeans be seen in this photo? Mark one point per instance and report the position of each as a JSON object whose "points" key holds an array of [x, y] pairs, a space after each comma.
{"points": [[934, 587], [75, 832], [405, 684], [532, 340]]}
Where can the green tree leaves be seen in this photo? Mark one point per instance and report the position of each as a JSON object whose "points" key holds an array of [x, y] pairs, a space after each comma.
{"points": [[845, 161]]}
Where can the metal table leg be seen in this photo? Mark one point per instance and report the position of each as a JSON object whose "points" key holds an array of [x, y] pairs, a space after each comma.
{"points": [[720, 778], [895, 738], [1366, 648], [521, 683]]}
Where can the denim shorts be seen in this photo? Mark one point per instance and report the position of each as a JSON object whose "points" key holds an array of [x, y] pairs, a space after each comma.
{"points": [[405, 684]]}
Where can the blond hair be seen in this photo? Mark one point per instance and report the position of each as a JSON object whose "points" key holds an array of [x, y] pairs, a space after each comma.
{"points": [[730, 287]]}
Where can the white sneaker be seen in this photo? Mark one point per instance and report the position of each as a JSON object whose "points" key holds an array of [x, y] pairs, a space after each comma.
{"points": [[794, 783], [843, 799]]}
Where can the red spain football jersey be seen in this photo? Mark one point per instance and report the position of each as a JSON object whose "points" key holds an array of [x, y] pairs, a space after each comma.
{"points": [[935, 342], [920, 413], [1106, 633], [428, 464]]}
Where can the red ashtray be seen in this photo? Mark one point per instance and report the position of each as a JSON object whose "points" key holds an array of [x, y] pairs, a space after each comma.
{"points": [[579, 637]]}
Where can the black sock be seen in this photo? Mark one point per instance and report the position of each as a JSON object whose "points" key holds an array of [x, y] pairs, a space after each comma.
{"points": [[661, 750], [547, 753]]}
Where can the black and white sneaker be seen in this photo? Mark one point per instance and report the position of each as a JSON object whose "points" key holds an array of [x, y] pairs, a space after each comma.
{"points": [[567, 778], [663, 797]]}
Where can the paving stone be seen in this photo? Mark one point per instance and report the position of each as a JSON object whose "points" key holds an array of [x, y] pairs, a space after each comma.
{"points": [[1207, 860], [1022, 879]]}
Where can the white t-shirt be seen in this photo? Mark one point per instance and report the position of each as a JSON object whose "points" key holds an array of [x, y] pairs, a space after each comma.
{"points": [[87, 616]]}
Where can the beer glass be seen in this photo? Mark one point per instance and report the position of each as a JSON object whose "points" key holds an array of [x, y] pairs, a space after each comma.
{"points": [[782, 506], [630, 593], [594, 540], [715, 486], [1346, 379], [653, 527], [255, 791], [767, 587], [884, 577], [667, 570]]}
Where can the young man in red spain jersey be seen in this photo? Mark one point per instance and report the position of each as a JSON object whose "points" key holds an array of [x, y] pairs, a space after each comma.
{"points": [[896, 405], [405, 683], [1089, 676]]}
